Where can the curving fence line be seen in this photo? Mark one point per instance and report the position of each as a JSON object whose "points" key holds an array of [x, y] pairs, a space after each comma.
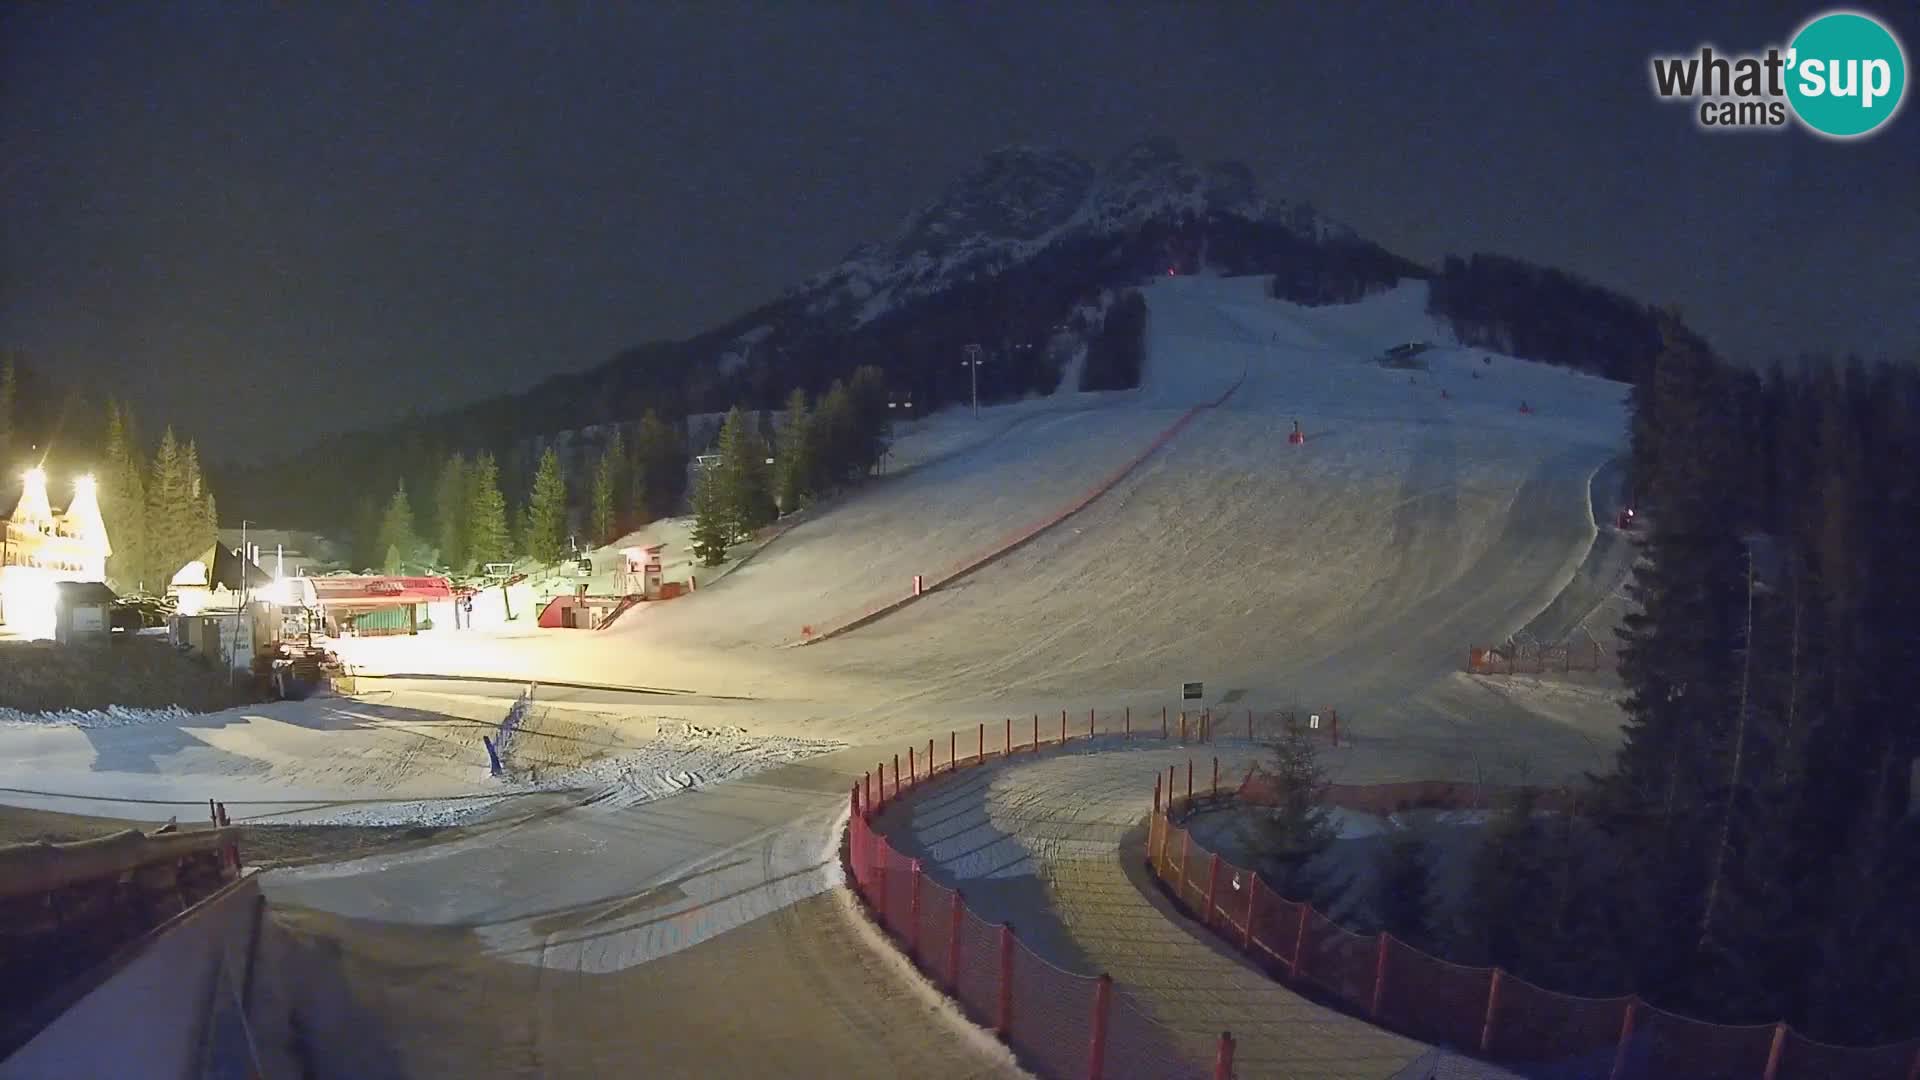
{"points": [[1059, 1024], [1482, 1011], [1013, 541]]}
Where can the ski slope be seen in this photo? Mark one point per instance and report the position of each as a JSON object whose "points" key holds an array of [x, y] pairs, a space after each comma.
{"points": [[1350, 572]]}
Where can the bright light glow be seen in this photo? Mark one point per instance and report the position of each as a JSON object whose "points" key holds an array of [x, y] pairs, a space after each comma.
{"points": [[190, 601], [35, 477], [28, 597], [83, 484]]}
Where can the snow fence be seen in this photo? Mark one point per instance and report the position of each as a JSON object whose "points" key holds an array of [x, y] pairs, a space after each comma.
{"points": [[1486, 1012]]}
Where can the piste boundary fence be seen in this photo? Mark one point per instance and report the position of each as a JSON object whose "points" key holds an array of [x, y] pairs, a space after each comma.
{"points": [[1058, 1023], [1483, 1011], [1007, 544]]}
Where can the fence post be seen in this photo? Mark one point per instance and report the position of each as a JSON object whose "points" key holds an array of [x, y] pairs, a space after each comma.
{"points": [[1379, 975], [1223, 1058], [1009, 749], [1163, 721], [980, 751], [1253, 899], [1089, 725], [882, 768], [1300, 939], [1063, 727], [953, 751], [913, 769], [1626, 1035], [1097, 1045], [1036, 731], [854, 806], [1156, 793], [913, 914], [1128, 721], [1004, 1022], [1170, 791], [868, 802], [1189, 781], [1493, 1008], [1183, 726], [1186, 850], [954, 913], [1216, 776], [1774, 1051], [1213, 888], [896, 774]]}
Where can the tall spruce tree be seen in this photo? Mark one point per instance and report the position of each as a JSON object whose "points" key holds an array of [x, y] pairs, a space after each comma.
{"points": [[659, 468], [488, 539], [546, 515], [123, 504], [451, 499], [745, 489], [609, 478], [712, 520], [795, 468], [171, 513], [398, 540]]}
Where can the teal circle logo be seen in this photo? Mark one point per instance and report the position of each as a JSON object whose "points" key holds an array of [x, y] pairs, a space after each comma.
{"points": [[1846, 74]]}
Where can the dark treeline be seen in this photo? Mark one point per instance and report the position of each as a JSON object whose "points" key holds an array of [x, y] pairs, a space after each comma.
{"points": [[1539, 313], [1755, 856]]}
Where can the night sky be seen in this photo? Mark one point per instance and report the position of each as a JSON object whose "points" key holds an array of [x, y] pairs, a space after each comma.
{"points": [[262, 221]]}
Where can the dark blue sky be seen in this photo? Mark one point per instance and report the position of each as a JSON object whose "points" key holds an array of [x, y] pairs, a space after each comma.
{"points": [[262, 220]]}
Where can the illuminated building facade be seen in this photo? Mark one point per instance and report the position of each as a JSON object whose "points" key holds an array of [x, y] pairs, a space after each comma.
{"points": [[40, 547]]}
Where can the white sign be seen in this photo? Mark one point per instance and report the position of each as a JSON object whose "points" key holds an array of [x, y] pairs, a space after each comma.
{"points": [[89, 619], [1190, 691], [1313, 722]]}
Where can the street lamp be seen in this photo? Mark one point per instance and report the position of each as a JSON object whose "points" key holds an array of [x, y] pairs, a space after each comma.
{"points": [[975, 357]]}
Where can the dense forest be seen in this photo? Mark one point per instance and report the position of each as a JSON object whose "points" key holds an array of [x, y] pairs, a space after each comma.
{"points": [[1539, 313], [1753, 853]]}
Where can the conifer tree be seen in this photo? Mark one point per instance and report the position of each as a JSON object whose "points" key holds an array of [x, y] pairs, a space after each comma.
{"points": [[659, 468], [123, 503], [795, 469], [487, 537], [609, 477], [712, 520], [546, 513], [452, 497], [1297, 827], [1403, 900], [397, 538], [745, 491], [170, 512]]}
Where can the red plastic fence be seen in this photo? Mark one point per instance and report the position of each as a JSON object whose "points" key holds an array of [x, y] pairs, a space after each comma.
{"points": [[1013, 540], [1061, 1024], [1482, 1011]]}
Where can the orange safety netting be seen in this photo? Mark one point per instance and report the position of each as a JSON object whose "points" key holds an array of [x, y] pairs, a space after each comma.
{"points": [[1434, 1000], [1052, 1016], [1667, 1044], [1802, 1058]]}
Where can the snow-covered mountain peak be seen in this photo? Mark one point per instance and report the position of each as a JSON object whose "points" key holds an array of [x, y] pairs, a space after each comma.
{"points": [[1020, 200]]}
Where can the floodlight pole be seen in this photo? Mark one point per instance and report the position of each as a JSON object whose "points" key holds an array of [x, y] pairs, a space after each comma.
{"points": [[972, 363]]}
